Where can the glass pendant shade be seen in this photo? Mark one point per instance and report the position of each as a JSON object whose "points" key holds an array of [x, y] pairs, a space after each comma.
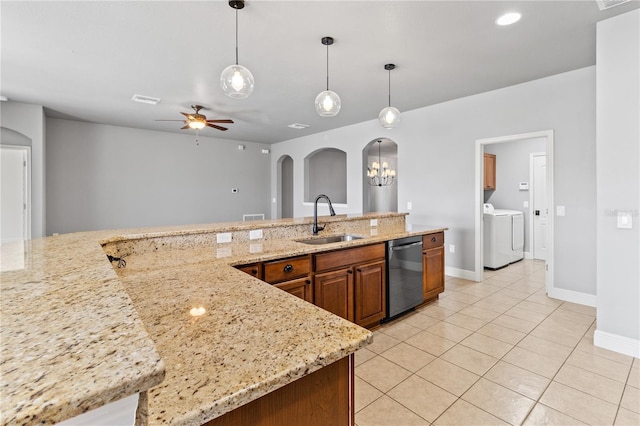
{"points": [[389, 117], [237, 81], [328, 103]]}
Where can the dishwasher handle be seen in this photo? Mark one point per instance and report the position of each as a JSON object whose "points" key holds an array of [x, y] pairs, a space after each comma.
{"points": [[405, 246]]}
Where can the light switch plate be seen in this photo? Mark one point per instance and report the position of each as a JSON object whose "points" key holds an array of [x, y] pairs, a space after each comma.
{"points": [[525, 204], [224, 237], [409, 205], [624, 220], [560, 211], [452, 248]]}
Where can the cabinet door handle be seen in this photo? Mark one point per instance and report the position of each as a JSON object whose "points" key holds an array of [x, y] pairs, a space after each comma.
{"points": [[433, 240], [359, 270], [307, 282], [288, 268], [350, 271]]}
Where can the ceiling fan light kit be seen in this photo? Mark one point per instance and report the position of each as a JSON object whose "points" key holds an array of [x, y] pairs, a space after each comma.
{"points": [[237, 81], [198, 121], [328, 102], [389, 117]]}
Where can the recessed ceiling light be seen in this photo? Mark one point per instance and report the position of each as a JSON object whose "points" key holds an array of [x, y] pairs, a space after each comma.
{"points": [[508, 18], [298, 126], [145, 99]]}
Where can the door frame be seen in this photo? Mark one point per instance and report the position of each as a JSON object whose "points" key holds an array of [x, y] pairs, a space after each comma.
{"points": [[531, 210], [479, 195], [27, 189]]}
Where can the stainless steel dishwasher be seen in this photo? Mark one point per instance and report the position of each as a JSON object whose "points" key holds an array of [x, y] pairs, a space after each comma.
{"points": [[404, 275]]}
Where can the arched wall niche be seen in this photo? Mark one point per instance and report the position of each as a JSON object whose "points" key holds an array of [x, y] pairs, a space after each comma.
{"points": [[325, 172], [285, 186]]}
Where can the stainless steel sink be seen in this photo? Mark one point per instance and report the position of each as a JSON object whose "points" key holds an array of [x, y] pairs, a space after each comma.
{"points": [[330, 239]]}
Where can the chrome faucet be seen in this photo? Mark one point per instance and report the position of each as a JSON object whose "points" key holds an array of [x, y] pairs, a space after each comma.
{"points": [[317, 228]]}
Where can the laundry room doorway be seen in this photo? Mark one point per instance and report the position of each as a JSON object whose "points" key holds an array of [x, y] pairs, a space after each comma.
{"points": [[520, 185]]}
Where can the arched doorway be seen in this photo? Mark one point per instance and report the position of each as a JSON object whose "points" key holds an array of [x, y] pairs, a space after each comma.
{"points": [[285, 186], [380, 198]]}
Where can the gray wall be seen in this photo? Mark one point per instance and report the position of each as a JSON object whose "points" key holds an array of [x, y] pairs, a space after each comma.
{"points": [[436, 156], [512, 167], [618, 183], [29, 121], [106, 177]]}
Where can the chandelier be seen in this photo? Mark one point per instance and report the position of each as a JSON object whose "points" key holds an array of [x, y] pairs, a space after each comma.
{"points": [[379, 173]]}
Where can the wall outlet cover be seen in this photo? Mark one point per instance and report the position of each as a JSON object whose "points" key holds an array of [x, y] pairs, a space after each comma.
{"points": [[373, 222], [224, 237], [255, 234], [452, 248], [560, 211]]}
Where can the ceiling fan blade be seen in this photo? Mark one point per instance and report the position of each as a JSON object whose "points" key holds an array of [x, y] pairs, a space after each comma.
{"points": [[217, 127], [185, 127], [220, 121], [169, 120]]}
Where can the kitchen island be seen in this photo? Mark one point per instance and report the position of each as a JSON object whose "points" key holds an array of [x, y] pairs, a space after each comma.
{"points": [[178, 311]]}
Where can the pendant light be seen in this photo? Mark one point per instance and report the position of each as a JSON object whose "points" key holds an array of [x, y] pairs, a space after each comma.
{"points": [[389, 117], [328, 102], [379, 173], [236, 80]]}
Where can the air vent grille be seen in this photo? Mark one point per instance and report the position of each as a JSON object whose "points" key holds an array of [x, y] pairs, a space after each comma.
{"points": [[145, 99]]}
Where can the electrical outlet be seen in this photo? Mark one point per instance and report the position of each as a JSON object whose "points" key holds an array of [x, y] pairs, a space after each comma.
{"points": [[452, 248], [224, 237], [525, 204], [409, 205], [624, 220], [560, 211], [255, 234], [373, 222]]}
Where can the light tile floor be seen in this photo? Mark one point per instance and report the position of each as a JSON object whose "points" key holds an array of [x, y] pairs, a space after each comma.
{"points": [[495, 352]]}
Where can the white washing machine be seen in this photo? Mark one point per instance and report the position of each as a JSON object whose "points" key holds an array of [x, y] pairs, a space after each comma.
{"points": [[503, 236]]}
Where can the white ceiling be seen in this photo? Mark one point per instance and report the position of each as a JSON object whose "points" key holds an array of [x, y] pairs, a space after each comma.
{"points": [[84, 60]]}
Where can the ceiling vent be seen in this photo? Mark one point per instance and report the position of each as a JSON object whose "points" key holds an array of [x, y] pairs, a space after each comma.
{"points": [[608, 4], [145, 99], [298, 126]]}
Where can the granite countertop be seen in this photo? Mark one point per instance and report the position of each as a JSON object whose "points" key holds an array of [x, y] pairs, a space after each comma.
{"points": [[77, 334]]}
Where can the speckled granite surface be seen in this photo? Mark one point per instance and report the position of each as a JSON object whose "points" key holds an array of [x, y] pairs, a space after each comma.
{"points": [[74, 335]]}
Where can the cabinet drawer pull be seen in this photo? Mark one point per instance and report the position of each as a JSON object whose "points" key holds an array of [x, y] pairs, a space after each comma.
{"points": [[254, 271], [288, 268], [433, 240]]}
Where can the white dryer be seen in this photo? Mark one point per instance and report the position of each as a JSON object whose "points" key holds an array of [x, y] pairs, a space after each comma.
{"points": [[503, 236]]}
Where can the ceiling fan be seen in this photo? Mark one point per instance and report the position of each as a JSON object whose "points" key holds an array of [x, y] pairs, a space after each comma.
{"points": [[197, 121]]}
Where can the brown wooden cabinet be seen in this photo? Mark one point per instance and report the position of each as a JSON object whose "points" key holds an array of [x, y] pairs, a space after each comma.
{"points": [[351, 283], [370, 293], [432, 265], [334, 292], [489, 171], [292, 275]]}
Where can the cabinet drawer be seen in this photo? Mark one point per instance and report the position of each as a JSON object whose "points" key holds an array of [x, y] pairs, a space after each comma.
{"points": [[252, 269], [287, 269], [352, 256], [432, 240]]}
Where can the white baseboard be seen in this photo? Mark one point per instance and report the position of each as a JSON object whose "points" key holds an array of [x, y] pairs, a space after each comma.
{"points": [[573, 296], [459, 273], [528, 255], [617, 343]]}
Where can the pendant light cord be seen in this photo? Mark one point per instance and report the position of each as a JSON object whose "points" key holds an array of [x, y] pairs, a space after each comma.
{"points": [[389, 87], [236, 36], [327, 67]]}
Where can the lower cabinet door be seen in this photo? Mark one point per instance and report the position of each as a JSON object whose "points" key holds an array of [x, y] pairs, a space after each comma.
{"points": [[334, 292], [433, 270], [370, 292], [301, 287]]}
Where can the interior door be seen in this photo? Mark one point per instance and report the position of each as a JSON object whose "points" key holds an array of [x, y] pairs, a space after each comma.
{"points": [[540, 208], [14, 219]]}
